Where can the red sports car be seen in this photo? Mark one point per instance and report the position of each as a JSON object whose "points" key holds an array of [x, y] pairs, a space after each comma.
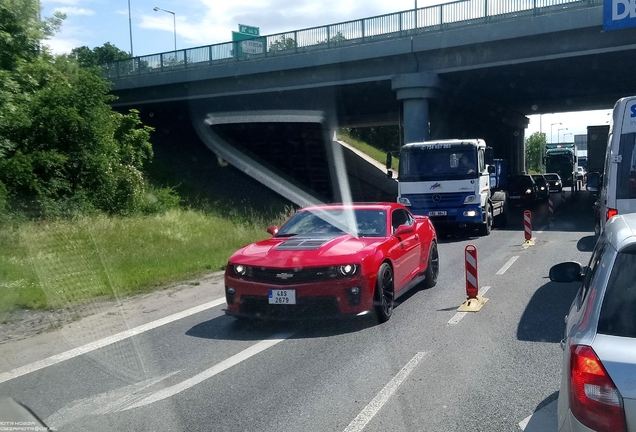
{"points": [[333, 260]]}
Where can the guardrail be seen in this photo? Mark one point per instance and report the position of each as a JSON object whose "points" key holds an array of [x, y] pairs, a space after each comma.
{"points": [[396, 25]]}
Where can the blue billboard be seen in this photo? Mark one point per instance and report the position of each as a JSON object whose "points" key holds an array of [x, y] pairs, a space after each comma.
{"points": [[619, 14]]}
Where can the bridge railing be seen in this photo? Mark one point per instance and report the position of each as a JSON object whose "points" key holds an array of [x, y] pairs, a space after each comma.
{"points": [[395, 25]]}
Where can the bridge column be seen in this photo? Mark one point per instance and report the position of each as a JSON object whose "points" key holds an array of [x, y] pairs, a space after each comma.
{"points": [[415, 90]]}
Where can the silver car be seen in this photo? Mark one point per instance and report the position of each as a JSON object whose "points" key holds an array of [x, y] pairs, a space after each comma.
{"points": [[598, 380]]}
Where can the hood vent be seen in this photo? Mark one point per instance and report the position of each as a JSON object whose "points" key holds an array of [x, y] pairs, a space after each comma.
{"points": [[303, 243]]}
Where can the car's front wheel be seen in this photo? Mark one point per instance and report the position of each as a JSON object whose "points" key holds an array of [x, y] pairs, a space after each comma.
{"points": [[384, 293]]}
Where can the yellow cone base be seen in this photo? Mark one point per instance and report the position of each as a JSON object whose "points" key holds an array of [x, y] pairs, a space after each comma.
{"points": [[473, 305], [528, 243]]}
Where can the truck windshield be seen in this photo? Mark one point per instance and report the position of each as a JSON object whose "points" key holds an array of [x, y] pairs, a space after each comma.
{"points": [[432, 163]]}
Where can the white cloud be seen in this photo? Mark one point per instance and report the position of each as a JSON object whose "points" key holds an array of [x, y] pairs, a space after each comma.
{"points": [[62, 46], [71, 11]]}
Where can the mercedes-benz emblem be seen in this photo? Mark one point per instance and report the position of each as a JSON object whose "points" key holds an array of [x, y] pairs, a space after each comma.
{"points": [[437, 198], [284, 276]]}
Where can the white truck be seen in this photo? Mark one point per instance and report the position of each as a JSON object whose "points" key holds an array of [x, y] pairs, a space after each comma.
{"points": [[450, 182]]}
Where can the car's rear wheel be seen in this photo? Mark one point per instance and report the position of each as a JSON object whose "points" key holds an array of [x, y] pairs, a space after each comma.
{"points": [[432, 269], [384, 293]]}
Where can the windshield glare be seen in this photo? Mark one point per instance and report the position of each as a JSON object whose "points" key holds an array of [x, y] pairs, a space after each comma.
{"points": [[366, 223]]}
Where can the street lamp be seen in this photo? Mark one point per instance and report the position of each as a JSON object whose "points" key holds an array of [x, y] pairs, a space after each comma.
{"points": [[130, 29], [558, 132], [552, 133], [174, 23]]}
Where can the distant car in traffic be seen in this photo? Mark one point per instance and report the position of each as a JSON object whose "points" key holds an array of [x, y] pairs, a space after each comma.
{"points": [[580, 174], [522, 190], [554, 181], [543, 189], [333, 260], [598, 380]]}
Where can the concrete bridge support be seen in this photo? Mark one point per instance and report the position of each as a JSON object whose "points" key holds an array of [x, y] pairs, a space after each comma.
{"points": [[415, 92]]}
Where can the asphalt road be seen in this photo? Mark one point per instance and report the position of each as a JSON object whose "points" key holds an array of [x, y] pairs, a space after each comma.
{"points": [[495, 370]]}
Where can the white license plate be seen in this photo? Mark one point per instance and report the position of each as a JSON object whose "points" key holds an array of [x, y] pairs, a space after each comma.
{"points": [[515, 197], [437, 213], [280, 296]]}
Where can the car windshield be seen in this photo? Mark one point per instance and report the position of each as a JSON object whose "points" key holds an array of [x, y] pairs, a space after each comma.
{"points": [[438, 162], [518, 182], [540, 180], [551, 177], [367, 223]]}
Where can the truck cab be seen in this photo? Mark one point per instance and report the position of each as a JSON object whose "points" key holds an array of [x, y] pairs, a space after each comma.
{"points": [[449, 181]]}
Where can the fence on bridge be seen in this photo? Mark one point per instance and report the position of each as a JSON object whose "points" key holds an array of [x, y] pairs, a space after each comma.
{"points": [[396, 25]]}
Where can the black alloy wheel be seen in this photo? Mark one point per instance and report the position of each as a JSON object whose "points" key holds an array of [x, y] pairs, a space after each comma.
{"points": [[384, 293], [432, 269]]}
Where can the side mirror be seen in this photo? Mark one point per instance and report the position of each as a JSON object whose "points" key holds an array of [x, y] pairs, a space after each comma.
{"points": [[389, 160], [273, 230], [491, 169], [489, 156], [567, 272], [403, 230], [389, 173]]}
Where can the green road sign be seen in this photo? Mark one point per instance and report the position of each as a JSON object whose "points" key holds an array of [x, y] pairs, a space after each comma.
{"points": [[245, 29], [248, 44]]}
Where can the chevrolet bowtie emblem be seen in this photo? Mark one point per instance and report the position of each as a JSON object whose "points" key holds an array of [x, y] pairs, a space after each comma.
{"points": [[284, 276]]}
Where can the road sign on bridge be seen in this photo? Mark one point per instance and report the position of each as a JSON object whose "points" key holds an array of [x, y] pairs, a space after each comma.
{"points": [[250, 43]]}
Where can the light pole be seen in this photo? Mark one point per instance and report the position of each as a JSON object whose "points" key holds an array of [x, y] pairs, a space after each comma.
{"points": [[415, 13], [130, 29], [572, 135], [552, 133], [558, 132], [174, 23]]}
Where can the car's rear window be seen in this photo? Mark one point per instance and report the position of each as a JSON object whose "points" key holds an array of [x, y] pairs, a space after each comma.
{"points": [[618, 313]]}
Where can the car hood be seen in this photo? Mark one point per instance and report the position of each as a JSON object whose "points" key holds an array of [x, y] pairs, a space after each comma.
{"points": [[305, 251]]}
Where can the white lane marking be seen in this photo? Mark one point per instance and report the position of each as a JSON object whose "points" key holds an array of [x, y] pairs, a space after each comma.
{"points": [[507, 265], [214, 370], [542, 420], [457, 318], [383, 396], [459, 315], [75, 352]]}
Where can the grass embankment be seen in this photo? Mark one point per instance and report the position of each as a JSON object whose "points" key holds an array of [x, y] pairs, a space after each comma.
{"points": [[62, 263], [375, 153]]}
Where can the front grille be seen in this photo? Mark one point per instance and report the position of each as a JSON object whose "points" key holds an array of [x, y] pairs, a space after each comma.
{"points": [[455, 199], [442, 218], [305, 307], [292, 276]]}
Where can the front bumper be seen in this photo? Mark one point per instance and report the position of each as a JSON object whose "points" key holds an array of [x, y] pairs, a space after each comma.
{"points": [[328, 299], [468, 215]]}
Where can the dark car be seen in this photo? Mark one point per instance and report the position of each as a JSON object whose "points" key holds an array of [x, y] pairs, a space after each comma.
{"points": [[522, 190], [543, 191], [554, 181]]}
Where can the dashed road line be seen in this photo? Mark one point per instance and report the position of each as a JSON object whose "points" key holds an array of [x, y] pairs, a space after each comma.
{"points": [[383, 396], [210, 372], [507, 265], [459, 315], [75, 352]]}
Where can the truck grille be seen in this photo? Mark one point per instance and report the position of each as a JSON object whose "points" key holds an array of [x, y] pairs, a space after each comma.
{"points": [[454, 199]]}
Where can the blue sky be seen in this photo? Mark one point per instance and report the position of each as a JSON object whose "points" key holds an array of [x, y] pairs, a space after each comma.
{"points": [[204, 22]]}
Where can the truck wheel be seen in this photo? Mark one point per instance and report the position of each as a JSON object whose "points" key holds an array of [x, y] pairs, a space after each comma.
{"points": [[503, 218], [485, 228]]}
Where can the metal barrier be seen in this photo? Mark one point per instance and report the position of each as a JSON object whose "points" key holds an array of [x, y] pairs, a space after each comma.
{"points": [[396, 25]]}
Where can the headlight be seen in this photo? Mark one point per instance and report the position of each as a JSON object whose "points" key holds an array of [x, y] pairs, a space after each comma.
{"points": [[542, 188], [404, 201], [348, 270], [556, 183], [528, 191], [240, 269], [470, 199], [470, 213]]}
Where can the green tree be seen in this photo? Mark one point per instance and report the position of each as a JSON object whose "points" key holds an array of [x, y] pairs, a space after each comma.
{"points": [[98, 56], [535, 148], [282, 44], [61, 144]]}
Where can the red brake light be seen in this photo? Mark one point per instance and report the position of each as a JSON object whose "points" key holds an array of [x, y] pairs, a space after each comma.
{"points": [[594, 399], [611, 213]]}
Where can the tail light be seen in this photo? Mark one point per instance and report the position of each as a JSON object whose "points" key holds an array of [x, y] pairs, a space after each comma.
{"points": [[611, 213], [594, 399]]}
